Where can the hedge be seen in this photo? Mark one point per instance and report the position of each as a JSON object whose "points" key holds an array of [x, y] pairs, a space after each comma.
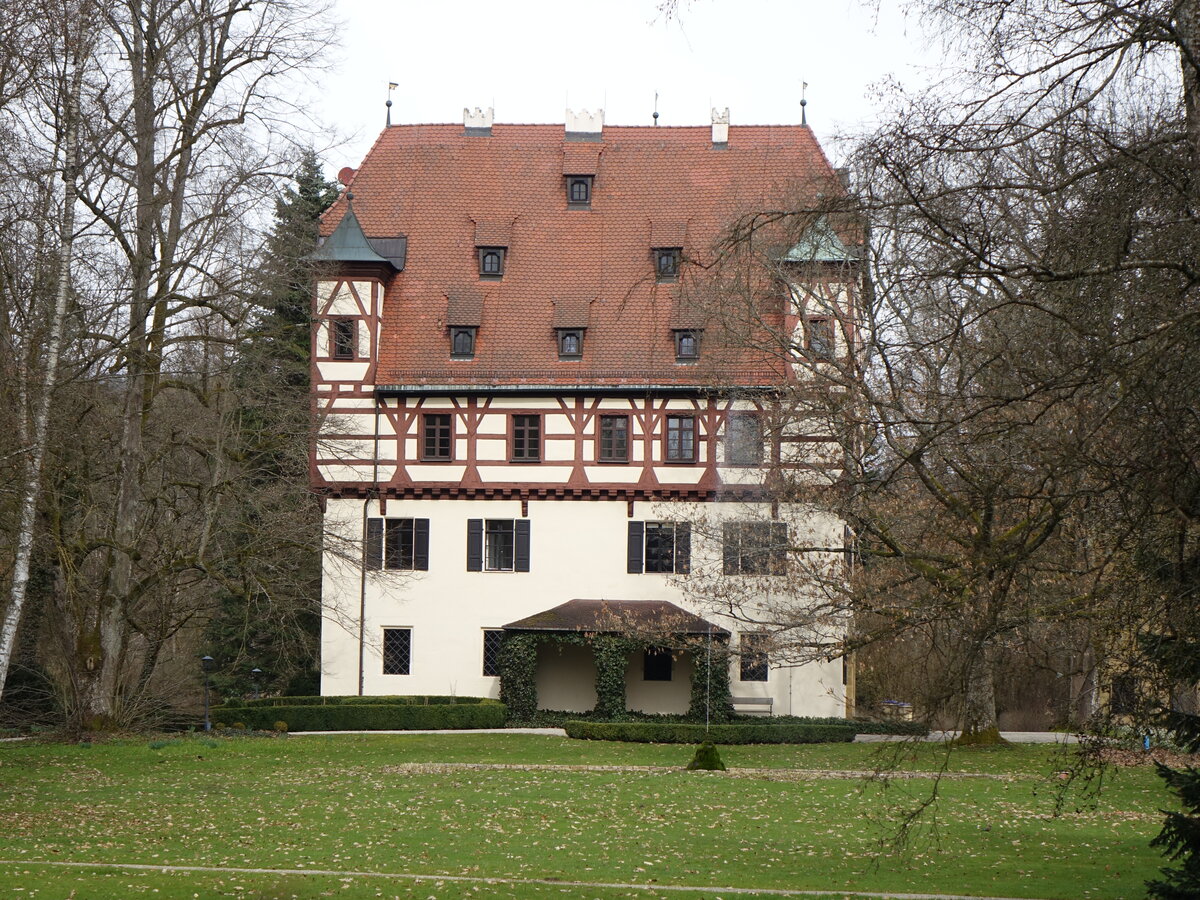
{"points": [[678, 733], [371, 716], [416, 700]]}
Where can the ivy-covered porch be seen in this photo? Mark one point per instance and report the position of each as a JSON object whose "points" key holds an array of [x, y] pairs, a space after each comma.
{"points": [[608, 656]]}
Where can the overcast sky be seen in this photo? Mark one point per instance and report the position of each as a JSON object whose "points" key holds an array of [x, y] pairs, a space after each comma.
{"points": [[532, 59]]}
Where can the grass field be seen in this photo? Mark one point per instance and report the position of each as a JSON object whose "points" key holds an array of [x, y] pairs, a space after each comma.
{"points": [[337, 808]]}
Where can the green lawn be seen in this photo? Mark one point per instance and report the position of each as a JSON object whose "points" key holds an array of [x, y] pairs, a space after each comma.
{"points": [[366, 804]]}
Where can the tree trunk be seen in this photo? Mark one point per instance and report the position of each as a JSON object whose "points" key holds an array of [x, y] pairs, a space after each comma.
{"points": [[979, 697], [31, 486]]}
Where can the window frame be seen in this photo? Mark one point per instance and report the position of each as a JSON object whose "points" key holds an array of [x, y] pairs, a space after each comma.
{"points": [[384, 651], [563, 335], [638, 556], [477, 545], [676, 457], [754, 547], [343, 338], [754, 661], [732, 442], [469, 331], [519, 425], [380, 544], [500, 254], [588, 182], [606, 418], [497, 636], [825, 348], [673, 258], [686, 334], [447, 437]]}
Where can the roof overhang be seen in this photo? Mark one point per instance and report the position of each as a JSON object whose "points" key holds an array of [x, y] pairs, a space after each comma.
{"points": [[590, 390], [639, 617]]}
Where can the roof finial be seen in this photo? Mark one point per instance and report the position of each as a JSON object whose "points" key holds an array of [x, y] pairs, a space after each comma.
{"points": [[656, 109], [391, 87], [803, 103]]}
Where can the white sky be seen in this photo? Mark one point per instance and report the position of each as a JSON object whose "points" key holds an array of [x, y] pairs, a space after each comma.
{"points": [[531, 59]]}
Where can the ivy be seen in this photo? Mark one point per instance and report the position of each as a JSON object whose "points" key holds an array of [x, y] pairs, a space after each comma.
{"points": [[611, 655], [711, 699], [518, 676]]}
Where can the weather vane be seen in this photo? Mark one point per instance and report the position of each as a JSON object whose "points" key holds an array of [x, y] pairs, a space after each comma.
{"points": [[391, 87]]}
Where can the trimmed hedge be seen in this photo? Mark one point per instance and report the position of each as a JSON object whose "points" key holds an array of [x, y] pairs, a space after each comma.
{"points": [[376, 716], [415, 700], [678, 733]]}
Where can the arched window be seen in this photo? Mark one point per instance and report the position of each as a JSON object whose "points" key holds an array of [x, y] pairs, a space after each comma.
{"points": [[491, 261], [462, 342], [579, 190], [687, 344], [570, 342]]}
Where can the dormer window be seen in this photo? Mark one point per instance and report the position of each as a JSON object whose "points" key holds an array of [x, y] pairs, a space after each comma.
{"points": [[666, 263], [491, 262], [687, 345], [570, 343], [462, 343], [341, 338], [579, 190]]}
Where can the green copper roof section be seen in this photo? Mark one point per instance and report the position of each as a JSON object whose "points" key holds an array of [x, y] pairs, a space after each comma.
{"points": [[348, 244], [819, 244]]}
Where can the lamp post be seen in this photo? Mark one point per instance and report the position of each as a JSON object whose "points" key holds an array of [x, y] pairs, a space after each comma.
{"points": [[207, 664], [256, 679]]}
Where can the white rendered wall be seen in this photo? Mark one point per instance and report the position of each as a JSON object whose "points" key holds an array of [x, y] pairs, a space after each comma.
{"points": [[577, 551]]}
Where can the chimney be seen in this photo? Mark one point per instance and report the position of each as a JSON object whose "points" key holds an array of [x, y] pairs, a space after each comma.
{"points": [[585, 126], [478, 123], [720, 129]]}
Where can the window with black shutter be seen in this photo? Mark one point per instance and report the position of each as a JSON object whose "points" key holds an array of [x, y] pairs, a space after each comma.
{"points": [[659, 547], [498, 545], [397, 544]]}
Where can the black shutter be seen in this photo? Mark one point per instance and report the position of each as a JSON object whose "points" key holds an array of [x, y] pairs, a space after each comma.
{"points": [[521, 533], [474, 545], [373, 545], [421, 545], [683, 548], [731, 548], [637, 544], [779, 548]]}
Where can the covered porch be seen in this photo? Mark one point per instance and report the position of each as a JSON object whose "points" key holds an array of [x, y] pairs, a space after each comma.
{"points": [[613, 656]]}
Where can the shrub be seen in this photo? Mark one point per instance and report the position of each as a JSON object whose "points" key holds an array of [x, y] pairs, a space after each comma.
{"points": [[377, 717], [707, 758], [417, 700], [740, 733], [238, 726], [280, 726]]}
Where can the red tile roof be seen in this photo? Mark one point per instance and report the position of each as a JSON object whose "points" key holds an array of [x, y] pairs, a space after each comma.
{"points": [[654, 187]]}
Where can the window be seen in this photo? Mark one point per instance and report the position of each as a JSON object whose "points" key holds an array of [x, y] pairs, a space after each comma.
{"points": [[681, 439], [614, 439], [437, 438], [493, 640], [579, 190], [754, 662], [341, 341], [526, 438], [397, 544], [462, 343], [497, 545], [397, 651], [656, 664], [666, 263], [755, 548], [820, 338], [663, 547], [743, 439], [687, 344], [491, 262], [1123, 695], [570, 343]]}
